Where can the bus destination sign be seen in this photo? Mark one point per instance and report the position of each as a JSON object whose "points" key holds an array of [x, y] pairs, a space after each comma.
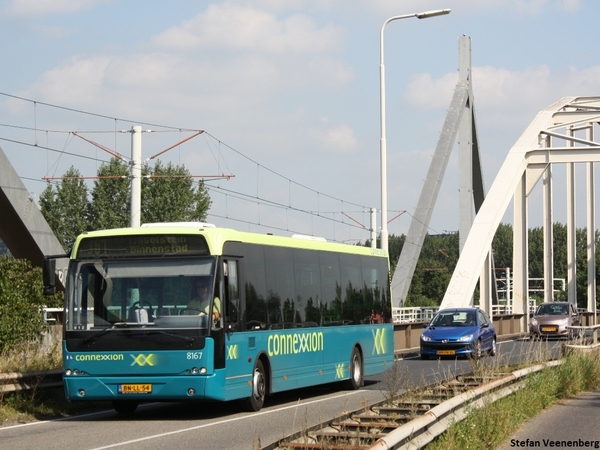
{"points": [[142, 246]]}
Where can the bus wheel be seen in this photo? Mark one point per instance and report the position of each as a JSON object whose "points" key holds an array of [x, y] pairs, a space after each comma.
{"points": [[356, 371], [125, 407], [259, 388]]}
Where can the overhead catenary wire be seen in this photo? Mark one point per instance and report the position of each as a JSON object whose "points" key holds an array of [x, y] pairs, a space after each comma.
{"points": [[216, 150]]}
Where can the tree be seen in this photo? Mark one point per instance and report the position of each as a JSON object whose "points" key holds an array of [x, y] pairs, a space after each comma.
{"points": [[395, 244], [111, 200], [502, 246], [434, 268], [21, 302], [168, 195], [65, 207]]}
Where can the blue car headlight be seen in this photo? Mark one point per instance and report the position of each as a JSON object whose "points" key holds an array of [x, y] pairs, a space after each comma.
{"points": [[467, 338], [425, 338]]}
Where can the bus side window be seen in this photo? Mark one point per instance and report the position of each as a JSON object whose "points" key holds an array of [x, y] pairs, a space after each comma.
{"points": [[233, 297]]}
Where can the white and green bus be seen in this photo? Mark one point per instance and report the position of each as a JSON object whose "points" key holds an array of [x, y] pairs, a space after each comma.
{"points": [[287, 312]]}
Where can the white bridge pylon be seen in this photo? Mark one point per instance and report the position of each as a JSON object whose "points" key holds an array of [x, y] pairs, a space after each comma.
{"points": [[563, 133]]}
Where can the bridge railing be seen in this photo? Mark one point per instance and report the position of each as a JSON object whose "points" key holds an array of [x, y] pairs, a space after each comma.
{"points": [[426, 313]]}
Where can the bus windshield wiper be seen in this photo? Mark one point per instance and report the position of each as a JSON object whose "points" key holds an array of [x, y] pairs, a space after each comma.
{"points": [[185, 338], [104, 332]]}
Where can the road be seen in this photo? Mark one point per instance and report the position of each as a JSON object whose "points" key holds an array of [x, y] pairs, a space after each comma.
{"points": [[203, 425], [571, 423]]}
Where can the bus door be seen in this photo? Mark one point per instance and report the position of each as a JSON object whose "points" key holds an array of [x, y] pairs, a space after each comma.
{"points": [[231, 304], [236, 357]]}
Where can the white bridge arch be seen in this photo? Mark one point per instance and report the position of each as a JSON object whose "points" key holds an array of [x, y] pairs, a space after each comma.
{"points": [[563, 133]]}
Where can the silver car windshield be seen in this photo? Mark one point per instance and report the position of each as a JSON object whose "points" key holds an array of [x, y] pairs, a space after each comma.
{"points": [[552, 310]]}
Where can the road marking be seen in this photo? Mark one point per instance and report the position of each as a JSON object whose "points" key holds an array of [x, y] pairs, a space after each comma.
{"points": [[221, 422], [133, 441]]}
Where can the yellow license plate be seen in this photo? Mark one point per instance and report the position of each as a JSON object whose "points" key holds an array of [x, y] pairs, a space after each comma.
{"points": [[446, 352], [548, 328], [135, 389]]}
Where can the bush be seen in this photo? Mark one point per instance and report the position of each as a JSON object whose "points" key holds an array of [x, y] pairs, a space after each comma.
{"points": [[21, 302]]}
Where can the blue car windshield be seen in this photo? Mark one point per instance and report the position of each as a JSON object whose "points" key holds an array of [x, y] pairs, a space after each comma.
{"points": [[454, 319]]}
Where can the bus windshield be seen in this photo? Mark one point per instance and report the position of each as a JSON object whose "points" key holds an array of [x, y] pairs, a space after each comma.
{"points": [[136, 293]]}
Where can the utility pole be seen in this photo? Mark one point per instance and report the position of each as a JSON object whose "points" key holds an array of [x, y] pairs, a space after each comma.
{"points": [[136, 175], [373, 228]]}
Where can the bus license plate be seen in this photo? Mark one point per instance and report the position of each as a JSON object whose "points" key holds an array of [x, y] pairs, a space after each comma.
{"points": [[135, 389], [446, 352]]}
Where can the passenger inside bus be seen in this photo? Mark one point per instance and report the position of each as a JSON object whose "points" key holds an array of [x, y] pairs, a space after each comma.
{"points": [[200, 304]]}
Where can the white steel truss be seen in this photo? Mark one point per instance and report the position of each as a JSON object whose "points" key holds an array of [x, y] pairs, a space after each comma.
{"points": [[563, 133]]}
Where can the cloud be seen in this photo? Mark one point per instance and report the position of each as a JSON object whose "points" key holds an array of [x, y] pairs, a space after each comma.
{"points": [[219, 81], [67, 84], [339, 138], [520, 7], [571, 6], [242, 28], [509, 98], [29, 8], [425, 92], [537, 7]]}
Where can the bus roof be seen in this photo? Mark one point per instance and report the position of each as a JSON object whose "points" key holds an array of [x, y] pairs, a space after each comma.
{"points": [[216, 237]]}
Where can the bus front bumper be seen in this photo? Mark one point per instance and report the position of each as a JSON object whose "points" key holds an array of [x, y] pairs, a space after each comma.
{"points": [[159, 388]]}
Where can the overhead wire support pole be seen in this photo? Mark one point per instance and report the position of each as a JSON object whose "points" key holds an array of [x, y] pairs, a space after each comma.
{"points": [[136, 175]]}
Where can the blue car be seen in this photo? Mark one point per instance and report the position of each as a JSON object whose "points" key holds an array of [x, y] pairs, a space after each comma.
{"points": [[459, 332]]}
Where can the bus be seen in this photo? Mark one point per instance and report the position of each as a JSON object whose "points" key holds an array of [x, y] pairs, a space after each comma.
{"points": [[285, 313]]}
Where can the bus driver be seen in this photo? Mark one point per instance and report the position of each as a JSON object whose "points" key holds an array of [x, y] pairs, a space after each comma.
{"points": [[201, 303]]}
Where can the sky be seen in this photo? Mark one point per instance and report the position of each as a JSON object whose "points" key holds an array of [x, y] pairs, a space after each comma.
{"points": [[287, 93]]}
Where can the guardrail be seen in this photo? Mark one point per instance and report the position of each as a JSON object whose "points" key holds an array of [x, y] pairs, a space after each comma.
{"points": [[11, 382], [425, 428], [580, 346]]}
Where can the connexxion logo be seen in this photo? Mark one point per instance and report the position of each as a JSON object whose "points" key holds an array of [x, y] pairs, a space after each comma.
{"points": [[293, 343], [379, 341], [143, 360], [98, 357], [232, 352]]}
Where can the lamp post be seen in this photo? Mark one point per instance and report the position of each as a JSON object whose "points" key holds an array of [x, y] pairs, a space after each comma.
{"points": [[382, 143]]}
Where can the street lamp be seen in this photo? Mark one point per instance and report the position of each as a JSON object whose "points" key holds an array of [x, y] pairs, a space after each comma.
{"points": [[382, 144]]}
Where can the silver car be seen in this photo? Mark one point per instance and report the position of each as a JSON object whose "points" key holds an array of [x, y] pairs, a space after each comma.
{"points": [[551, 320]]}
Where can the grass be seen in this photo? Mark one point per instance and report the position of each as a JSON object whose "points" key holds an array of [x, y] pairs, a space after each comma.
{"points": [[37, 404], [28, 406], [32, 357]]}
